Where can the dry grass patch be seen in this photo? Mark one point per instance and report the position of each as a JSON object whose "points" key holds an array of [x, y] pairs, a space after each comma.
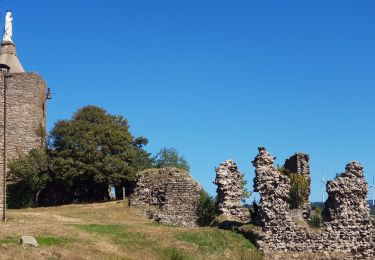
{"points": [[111, 231]]}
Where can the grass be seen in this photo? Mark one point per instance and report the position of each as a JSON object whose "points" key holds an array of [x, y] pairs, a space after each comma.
{"points": [[42, 241], [53, 241], [118, 234], [9, 240], [113, 231], [156, 224], [215, 240], [102, 229]]}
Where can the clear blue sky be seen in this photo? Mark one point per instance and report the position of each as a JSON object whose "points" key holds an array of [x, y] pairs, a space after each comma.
{"points": [[214, 79]]}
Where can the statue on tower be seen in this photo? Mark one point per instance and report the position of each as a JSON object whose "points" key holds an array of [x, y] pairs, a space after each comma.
{"points": [[8, 33]]}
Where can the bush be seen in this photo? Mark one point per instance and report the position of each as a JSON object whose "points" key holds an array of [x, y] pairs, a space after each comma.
{"points": [[28, 177], [206, 210], [316, 218], [299, 190]]}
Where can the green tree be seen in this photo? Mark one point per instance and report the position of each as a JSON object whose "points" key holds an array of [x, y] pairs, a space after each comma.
{"points": [[299, 190], [94, 150], [245, 192], [169, 157], [206, 209], [28, 177]]}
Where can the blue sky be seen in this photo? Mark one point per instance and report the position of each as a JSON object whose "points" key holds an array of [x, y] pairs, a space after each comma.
{"points": [[214, 79]]}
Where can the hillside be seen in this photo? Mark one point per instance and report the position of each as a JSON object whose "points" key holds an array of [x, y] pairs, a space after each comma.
{"points": [[113, 231]]}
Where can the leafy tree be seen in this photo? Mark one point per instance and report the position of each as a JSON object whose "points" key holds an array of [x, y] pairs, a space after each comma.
{"points": [[245, 192], [206, 210], [92, 151], [299, 190], [28, 177], [169, 157]]}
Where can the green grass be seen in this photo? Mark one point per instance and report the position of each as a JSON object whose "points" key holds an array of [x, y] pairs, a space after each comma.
{"points": [[53, 241], [118, 234], [121, 235], [103, 229], [156, 224], [215, 240], [9, 240], [42, 241], [173, 254]]}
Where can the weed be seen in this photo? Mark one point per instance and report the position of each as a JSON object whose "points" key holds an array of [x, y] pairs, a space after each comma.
{"points": [[173, 254]]}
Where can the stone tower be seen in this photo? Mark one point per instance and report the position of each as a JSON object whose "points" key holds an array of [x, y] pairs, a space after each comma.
{"points": [[22, 110]]}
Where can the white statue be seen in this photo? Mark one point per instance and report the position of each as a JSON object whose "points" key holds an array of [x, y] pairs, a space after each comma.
{"points": [[8, 34]]}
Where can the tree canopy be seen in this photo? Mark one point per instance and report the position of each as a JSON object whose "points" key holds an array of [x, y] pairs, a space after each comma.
{"points": [[169, 157], [86, 154]]}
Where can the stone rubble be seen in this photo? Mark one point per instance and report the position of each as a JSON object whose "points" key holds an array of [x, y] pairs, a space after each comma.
{"points": [[230, 191], [172, 192], [348, 228]]}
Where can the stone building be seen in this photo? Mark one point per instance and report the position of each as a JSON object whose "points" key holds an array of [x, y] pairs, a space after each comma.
{"points": [[22, 112], [168, 195]]}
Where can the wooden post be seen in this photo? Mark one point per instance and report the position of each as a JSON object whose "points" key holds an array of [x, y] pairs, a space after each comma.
{"points": [[123, 194]]}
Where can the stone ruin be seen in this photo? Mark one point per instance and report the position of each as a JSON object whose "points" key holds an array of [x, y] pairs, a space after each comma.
{"points": [[168, 195], [299, 164], [347, 230], [347, 214], [229, 192], [172, 197], [273, 188]]}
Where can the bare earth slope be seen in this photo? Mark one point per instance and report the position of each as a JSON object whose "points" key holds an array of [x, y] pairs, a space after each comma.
{"points": [[113, 231]]}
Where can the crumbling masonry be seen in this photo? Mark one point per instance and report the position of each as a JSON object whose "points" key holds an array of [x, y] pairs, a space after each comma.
{"points": [[169, 195], [230, 191], [348, 228]]}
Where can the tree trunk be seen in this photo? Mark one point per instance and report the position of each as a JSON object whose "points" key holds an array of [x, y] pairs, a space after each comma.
{"points": [[37, 198]]}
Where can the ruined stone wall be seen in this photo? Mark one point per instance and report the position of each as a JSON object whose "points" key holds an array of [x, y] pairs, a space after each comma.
{"points": [[172, 191], [348, 229], [230, 191], [26, 116], [347, 212]]}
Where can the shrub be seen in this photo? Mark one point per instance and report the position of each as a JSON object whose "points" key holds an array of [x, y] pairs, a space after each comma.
{"points": [[28, 177], [299, 190], [316, 218], [206, 210], [282, 170]]}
